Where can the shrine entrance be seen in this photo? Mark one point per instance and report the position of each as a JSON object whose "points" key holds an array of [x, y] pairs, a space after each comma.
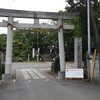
{"points": [[10, 24]]}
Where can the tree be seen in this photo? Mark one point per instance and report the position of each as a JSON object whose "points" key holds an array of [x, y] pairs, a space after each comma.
{"points": [[25, 39], [81, 7], [21, 44], [3, 41]]}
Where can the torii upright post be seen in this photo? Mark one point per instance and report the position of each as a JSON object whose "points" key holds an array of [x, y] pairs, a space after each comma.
{"points": [[7, 76], [61, 49]]}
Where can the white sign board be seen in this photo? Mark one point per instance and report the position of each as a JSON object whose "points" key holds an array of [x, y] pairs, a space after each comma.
{"points": [[74, 73], [33, 52], [8, 61]]}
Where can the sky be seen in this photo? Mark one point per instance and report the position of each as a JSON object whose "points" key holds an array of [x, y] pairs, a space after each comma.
{"points": [[32, 5]]}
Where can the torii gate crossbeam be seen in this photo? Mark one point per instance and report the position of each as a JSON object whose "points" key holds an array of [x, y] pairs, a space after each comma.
{"points": [[36, 14], [11, 14]]}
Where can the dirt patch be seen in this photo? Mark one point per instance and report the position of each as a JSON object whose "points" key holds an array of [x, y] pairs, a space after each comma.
{"points": [[52, 73]]}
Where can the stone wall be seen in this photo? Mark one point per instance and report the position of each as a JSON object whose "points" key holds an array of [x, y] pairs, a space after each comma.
{"points": [[97, 70]]}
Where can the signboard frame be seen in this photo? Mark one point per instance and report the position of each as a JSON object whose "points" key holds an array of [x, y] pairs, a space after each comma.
{"points": [[74, 73]]}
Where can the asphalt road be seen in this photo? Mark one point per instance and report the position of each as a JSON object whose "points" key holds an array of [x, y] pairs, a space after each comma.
{"points": [[48, 88]]}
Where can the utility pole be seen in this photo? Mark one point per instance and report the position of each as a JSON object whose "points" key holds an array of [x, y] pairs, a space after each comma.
{"points": [[88, 30], [88, 25]]}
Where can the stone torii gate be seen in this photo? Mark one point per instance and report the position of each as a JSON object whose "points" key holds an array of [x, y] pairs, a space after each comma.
{"points": [[10, 24]]}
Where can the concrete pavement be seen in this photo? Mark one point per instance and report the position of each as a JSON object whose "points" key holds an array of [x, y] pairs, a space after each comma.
{"points": [[48, 88]]}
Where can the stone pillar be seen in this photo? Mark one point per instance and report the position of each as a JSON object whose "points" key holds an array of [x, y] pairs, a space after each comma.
{"points": [[78, 52], [96, 70], [61, 49], [8, 64], [36, 21]]}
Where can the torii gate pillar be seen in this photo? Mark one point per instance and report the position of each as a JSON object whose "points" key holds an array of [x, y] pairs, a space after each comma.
{"points": [[8, 64], [61, 50]]}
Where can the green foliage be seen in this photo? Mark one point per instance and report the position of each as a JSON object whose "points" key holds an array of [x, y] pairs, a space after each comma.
{"points": [[21, 44], [25, 39], [81, 21], [69, 44], [77, 27], [3, 41]]}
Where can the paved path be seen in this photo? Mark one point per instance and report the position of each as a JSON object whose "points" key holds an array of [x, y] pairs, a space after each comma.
{"points": [[30, 71], [29, 74], [35, 84]]}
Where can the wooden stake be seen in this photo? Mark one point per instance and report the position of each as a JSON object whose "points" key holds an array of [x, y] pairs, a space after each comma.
{"points": [[93, 66]]}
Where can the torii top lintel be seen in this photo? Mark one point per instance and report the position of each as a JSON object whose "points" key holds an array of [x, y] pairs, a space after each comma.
{"points": [[36, 14]]}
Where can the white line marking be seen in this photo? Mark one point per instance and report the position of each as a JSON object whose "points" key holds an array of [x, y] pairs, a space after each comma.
{"points": [[39, 74], [33, 75], [26, 75]]}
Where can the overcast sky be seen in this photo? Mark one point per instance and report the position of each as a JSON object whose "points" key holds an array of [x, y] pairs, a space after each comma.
{"points": [[32, 5]]}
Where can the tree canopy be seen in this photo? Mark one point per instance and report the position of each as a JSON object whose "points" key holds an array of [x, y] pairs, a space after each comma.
{"points": [[81, 23]]}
